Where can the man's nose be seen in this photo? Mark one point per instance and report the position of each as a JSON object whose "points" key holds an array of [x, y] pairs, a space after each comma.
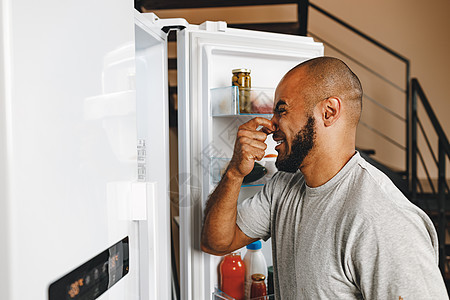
{"points": [[274, 121]]}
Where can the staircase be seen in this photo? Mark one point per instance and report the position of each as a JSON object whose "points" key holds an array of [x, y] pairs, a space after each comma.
{"points": [[424, 150]]}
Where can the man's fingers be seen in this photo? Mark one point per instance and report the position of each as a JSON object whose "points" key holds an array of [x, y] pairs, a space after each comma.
{"points": [[267, 131], [249, 142], [259, 154], [254, 123], [257, 135], [253, 153]]}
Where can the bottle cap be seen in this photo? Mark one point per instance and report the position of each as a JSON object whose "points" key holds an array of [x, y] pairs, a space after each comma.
{"points": [[255, 245], [258, 277], [241, 71]]}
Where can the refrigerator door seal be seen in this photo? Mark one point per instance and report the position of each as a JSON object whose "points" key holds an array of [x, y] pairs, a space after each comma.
{"points": [[153, 158]]}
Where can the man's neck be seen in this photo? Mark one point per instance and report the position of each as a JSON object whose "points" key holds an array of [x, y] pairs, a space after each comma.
{"points": [[320, 167]]}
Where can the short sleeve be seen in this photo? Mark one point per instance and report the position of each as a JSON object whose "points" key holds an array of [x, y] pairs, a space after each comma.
{"points": [[253, 215], [397, 260]]}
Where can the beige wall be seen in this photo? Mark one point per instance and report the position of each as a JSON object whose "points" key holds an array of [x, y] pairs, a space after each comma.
{"points": [[418, 30]]}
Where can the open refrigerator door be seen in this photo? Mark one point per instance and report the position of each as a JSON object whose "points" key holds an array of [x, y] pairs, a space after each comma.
{"points": [[209, 114], [153, 155], [72, 208]]}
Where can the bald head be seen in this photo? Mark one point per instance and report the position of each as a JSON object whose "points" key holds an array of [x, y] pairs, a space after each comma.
{"points": [[323, 77]]}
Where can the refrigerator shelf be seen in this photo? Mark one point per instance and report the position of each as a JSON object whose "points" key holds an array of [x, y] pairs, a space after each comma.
{"points": [[233, 101], [219, 165], [219, 295]]}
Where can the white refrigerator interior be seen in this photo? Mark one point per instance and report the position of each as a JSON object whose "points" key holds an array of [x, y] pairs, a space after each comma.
{"points": [[84, 166], [208, 120]]}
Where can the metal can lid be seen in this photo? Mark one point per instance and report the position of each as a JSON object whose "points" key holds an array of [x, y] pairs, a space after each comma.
{"points": [[241, 71], [258, 277]]}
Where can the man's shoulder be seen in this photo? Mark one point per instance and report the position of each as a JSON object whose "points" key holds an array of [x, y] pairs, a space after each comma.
{"points": [[369, 182], [373, 196]]}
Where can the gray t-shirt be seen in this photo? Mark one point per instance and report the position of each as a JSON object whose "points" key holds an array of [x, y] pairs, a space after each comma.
{"points": [[355, 237]]}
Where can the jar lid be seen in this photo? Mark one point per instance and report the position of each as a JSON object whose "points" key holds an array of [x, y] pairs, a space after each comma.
{"points": [[241, 71], [258, 277]]}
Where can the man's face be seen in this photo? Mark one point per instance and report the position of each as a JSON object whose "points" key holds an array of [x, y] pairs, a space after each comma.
{"points": [[295, 133], [301, 145]]}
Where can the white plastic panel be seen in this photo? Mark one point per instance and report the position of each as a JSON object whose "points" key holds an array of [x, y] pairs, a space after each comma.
{"points": [[206, 55], [5, 150], [70, 120], [153, 130]]}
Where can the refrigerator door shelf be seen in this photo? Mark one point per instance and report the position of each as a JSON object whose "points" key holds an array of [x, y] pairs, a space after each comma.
{"points": [[219, 295], [232, 101]]}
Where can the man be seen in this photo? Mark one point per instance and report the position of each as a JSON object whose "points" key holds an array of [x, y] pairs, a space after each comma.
{"points": [[340, 228]]}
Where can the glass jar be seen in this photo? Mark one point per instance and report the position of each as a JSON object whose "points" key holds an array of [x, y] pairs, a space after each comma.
{"points": [[241, 78], [258, 290], [232, 276]]}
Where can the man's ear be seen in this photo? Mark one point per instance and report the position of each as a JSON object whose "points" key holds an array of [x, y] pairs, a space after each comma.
{"points": [[331, 110]]}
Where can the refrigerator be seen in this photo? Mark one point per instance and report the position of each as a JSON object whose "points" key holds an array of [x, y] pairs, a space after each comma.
{"points": [[84, 144]]}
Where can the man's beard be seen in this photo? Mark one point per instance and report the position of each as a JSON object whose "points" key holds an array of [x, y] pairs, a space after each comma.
{"points": [[302, 144]]}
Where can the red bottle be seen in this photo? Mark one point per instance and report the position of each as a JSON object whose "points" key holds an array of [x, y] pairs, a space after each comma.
{"points": [[232, 276], [258, 290]]}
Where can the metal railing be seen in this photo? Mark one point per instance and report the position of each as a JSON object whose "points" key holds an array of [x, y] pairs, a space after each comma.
{"points": [[405, 89], [440, 160]]}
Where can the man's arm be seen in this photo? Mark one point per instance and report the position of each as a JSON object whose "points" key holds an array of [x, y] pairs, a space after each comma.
{"points": [[220, 234]]}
